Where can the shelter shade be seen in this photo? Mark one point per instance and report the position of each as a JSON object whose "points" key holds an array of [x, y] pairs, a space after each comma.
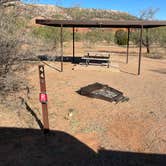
{"points": [[102, 24]]}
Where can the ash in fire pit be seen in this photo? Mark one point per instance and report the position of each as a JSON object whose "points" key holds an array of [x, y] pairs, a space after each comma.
{"points": [[103, 92]]}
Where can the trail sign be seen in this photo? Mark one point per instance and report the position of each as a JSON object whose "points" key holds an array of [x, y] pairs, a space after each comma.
{"points": [[43, 98]]}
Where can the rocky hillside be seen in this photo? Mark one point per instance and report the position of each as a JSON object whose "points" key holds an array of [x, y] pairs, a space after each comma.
{"points": [[52, 11], [35, 10], [97, 14]]}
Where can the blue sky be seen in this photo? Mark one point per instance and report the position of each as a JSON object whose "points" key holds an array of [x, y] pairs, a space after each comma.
{"points": [[131, 6]]}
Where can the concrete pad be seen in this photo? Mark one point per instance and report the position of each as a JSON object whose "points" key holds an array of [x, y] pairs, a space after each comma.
{"points": [[114, 67]]}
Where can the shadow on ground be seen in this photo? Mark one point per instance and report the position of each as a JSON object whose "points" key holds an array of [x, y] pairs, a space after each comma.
{"points": [[76, 60], [130, 73], [58, 58], [30, 147]]}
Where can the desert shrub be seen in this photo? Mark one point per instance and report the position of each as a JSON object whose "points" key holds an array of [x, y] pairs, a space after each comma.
{"points": [[10, 56], [121, 37], [88, 14], [58, 16], [8, 41], [162, 36], [10, 83], [152, 34], [51, 35], [79, 36], [134, 37], [94, 36], [151, 37], [47, 33], [108, 37]]}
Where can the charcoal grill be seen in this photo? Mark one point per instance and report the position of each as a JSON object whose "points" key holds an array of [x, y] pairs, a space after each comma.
{"points": [[103, 92]]}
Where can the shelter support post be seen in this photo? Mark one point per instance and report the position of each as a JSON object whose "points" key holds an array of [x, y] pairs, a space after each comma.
{"points": [[140, 50], [128, 40], [73, 45], [147, 40], [61, 40]]}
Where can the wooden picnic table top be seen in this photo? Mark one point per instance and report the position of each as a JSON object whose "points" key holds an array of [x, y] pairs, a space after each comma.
{"points": [[95, 58], [98, 52], [97, 55]]}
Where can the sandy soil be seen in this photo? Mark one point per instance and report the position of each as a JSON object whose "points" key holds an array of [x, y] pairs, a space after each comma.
{"points": [[138, 125]]}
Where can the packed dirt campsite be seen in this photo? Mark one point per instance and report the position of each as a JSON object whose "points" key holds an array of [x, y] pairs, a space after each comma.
{"points": [[81, 86]]}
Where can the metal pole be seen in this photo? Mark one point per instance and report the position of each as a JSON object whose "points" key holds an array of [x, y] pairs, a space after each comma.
{"points": [[43, 91], [140, 50], [61, 39], [128, 39], [73, 44], [147, 40]]}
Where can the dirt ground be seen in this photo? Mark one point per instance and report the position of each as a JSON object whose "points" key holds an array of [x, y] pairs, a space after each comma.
{"points": [[138, 125]]}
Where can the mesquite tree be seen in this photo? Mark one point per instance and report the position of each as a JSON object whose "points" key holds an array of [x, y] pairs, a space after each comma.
{"points": [[148, 14], [10, 56]]}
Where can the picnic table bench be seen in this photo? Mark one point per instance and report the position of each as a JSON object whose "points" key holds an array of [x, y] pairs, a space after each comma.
{"points": [[97, 57]]}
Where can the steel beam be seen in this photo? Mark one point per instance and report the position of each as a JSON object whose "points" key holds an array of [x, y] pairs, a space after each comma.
{"points": [[128, 40]]}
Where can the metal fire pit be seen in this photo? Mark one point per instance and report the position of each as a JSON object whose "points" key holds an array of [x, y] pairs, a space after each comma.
{"points": [[103, 92]]}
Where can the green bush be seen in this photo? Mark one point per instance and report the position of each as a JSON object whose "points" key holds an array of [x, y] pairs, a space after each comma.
{"points": [[51, 34], [94, 36], [162, 36], [121, 37], [108, 37], [155, 36], [79, 36]]}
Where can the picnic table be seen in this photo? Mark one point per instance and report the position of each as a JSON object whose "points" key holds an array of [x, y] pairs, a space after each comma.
{"points": [[97, 56]]}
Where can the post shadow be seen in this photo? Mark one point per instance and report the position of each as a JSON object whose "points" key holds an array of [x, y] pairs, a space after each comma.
{"points": [[31, 111], [51, 66]]}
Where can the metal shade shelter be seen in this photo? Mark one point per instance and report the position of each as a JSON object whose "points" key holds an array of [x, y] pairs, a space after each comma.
{"points": [[102, 24]]}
